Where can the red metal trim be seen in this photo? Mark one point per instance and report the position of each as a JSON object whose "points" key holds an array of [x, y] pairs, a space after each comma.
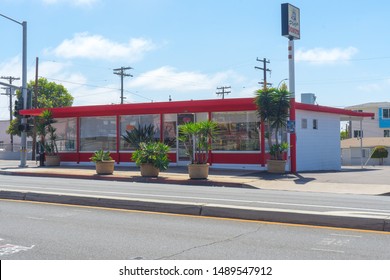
{"points": [[78, 139], [293, 139], [118, 137], [331, 110], [262, 143], [193, 106]]}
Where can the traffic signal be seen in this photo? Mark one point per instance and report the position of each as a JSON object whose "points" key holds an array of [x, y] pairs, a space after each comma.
{"points": [[25, 127], [18, 106]]}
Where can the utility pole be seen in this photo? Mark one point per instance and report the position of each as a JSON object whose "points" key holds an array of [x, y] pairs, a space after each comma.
{"points": [[265, 70], [121, 72], [223, 91], [10, 92], [262, 124]]}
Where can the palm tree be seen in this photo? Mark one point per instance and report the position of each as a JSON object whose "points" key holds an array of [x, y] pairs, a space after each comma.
{"points": [[273, 106]]}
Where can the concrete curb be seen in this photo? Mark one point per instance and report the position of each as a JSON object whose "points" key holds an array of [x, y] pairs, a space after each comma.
{"points": [[137, 179], [211, 210]]}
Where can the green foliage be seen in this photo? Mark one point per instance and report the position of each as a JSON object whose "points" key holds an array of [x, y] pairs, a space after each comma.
{"points": [[139, 134], [47, 132], [101, 155], [155, 153], [278, 149], [380, 152], [50, 95], [197, 138], [344, 135], [273, 109]]}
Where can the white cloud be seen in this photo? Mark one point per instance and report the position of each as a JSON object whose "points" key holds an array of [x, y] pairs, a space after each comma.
{"points": [[325, 56], [83, 45], [168, 78]]}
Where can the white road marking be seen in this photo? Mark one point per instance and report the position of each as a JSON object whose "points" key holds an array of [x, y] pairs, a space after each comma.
{"points": [[327, 250], [385, 211], [346, 235]]}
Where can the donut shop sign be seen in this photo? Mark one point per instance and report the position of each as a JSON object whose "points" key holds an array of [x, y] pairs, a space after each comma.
{"points": [[291, 22]]}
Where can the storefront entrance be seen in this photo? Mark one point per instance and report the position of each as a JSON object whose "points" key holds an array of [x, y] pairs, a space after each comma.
{"points": [[182, 157]]}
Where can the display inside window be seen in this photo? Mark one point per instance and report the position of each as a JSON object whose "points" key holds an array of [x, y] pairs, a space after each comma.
{"points": [[66, 134], [237, 131], [97, 133], [128, 123]]}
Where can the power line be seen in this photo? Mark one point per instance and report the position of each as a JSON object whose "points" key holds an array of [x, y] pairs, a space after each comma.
{"points": [[121, 72]]}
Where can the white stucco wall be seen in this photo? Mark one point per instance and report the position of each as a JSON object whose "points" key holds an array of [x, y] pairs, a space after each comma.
{"points": [[318, 149]]}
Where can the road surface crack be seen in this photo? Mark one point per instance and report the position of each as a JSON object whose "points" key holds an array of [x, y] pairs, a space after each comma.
{"points": [[210, 244]]}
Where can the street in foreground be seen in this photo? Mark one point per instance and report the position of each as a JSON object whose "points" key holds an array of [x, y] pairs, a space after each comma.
{"points": [[45, 231]]}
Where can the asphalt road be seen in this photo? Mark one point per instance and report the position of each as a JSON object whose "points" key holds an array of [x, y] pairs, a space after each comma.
{"points": [[42, 231], [340, 204]]}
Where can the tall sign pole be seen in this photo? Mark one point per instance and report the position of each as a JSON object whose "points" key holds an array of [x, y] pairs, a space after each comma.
{"points": [[23, 148], [291, 29]]}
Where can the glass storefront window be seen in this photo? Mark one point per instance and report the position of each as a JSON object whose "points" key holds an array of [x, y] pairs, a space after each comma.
{"points": [[66, 134], [130, 122], [97, 133], [238, 131], [170, 130]]}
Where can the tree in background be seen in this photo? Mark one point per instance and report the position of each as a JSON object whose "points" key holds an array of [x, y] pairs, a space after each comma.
{"points": [[50, 95]]}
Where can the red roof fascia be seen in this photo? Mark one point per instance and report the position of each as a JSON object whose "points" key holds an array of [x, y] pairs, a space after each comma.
{"points": [[193, 106], [331, 110]]}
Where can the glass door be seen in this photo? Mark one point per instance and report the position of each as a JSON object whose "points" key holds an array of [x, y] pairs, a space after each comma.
{"points": [[182, 157]]}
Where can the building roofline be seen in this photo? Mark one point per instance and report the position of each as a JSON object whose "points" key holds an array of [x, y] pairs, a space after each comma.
{"points": [[192, 106]]}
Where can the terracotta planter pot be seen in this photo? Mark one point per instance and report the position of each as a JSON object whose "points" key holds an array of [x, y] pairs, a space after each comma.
{"points": [[198, 171], [148, 170], [276, 166], [105, 167], [52, 160]]}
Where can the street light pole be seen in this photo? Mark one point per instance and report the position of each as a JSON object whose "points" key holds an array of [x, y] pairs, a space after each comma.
{"points": [[23, 148]]}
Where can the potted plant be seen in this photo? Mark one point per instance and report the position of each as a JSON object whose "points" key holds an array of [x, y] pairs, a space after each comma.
{"points": [[48, 137], [273, 106], [151, 157], [197, 138], [104, 162], [139, 134]]}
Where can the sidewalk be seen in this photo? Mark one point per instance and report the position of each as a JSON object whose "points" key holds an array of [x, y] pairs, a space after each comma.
{"points": [[350, 180], [356, 181]]}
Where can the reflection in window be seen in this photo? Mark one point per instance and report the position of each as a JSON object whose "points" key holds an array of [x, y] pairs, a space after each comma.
{"points": [[238, 131], [130, 122], [97, 133], [170, 130], [66, 134]]}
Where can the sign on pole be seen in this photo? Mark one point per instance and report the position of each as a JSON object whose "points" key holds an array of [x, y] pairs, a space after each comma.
{"points": [[291, 26]]}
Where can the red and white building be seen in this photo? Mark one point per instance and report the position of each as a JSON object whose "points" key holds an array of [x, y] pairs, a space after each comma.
{"points": [[82, 130]]}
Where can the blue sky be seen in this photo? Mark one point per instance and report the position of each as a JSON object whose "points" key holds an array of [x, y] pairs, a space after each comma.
{"points": [[186, 49]]}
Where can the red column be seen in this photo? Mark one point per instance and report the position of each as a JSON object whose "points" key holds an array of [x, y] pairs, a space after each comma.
{"points": [[293, 139]]}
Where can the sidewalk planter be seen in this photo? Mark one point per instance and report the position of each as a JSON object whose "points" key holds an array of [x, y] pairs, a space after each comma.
{"points": [[105, 167], [148, 170], [104, 162], [197, 138], [52, 160], [151, 157], [198, 171], [276, 166]]}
